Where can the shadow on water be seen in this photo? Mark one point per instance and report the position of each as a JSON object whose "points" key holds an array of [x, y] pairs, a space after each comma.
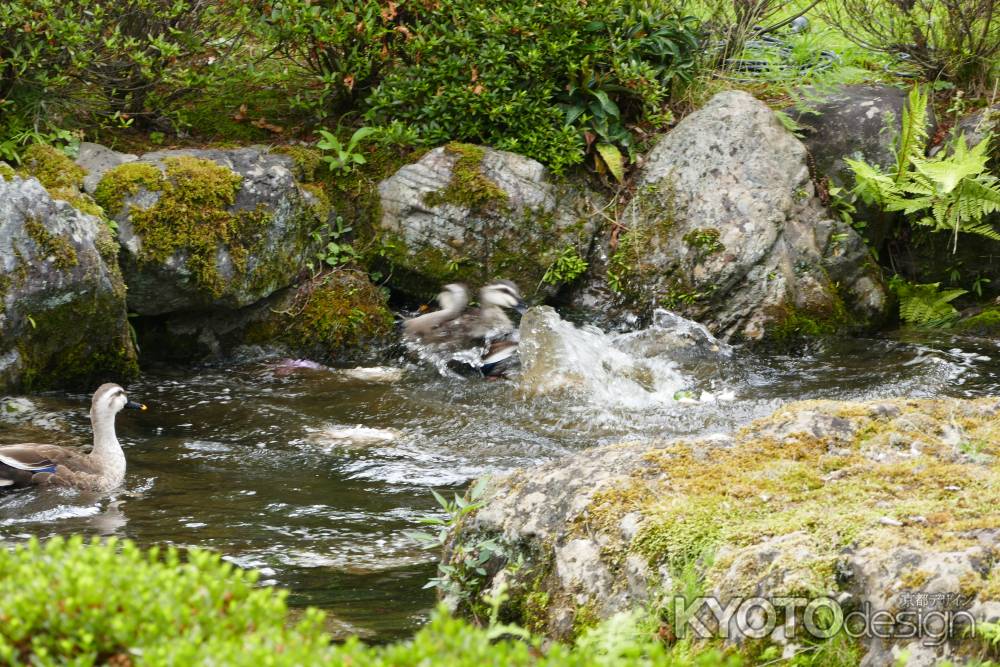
{"points": [[311, 475]]}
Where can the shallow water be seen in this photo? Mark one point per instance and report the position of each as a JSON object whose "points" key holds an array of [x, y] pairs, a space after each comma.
{"points": [[266, 464]]}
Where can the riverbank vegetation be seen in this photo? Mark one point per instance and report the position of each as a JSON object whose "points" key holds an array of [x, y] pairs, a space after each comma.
{"points": [[353, 89], [577, 86]]}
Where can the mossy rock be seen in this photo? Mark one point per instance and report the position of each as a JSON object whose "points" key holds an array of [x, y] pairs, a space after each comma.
{"points": [[986, 322], [206, 229], [822, 498], [62, 297], [724, 228], [62, 177], [466, 213], [335, 317]]}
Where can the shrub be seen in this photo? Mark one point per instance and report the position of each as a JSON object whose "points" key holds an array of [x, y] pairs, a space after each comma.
{"points": [[954, 39], [67, 601], [98, 60], [71, 602], [545, 79]]}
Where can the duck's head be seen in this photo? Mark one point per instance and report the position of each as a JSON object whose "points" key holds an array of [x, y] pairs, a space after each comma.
{"points": [[502, 293], [110, 399], [454, 296]]}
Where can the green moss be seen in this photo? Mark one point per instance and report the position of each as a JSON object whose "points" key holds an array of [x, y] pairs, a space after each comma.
{"points": [[534, 611], [61, 251], [322, 207], [469, 187], [307, 161], [124, 181], [695, 501], [585, 617], [986, 322], [333, 313], [789, 324], [6, 172], [52, 167], [705, 240], [59, 353], [191, 215]]}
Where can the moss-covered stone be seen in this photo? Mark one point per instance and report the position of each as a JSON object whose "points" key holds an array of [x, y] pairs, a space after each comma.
{"points": [[328, 316], [6, 171], [985, 322], [51, 167], [59, 249], [469, 187], [124, 181], [191, 215], [60, 353], [60, 176], [307, 161]]}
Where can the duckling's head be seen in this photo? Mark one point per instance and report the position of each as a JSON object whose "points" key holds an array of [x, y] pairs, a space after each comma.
{"points": [[502, 293], [454, 297], [109, 400]]}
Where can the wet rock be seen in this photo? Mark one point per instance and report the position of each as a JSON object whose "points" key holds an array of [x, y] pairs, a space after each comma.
{"points": [[472, 214], [858, 122], [802, 504], [335, 317], [725, 229], [62, 300], [210, 229]]}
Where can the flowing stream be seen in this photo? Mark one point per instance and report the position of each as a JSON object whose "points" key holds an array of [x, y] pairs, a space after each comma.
{"points": [[313, 474]]}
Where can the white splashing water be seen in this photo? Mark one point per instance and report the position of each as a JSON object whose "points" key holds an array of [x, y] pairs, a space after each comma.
{"points": [[634, 371]]}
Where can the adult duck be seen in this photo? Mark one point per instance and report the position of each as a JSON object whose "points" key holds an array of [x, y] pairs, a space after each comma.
{"points": [[103, 469], [490, 327]]}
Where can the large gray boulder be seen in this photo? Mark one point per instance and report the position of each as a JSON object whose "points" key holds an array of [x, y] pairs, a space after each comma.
{"points": [[726, 229], [473, 214], [62, 300], [886, 506], [208, 229]]}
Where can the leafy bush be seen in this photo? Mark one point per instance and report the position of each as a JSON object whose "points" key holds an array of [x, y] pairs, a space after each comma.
{"points": [[67, 601], [545, 79], [70, 602], [102, 61], [954, 39], [542, 79]]}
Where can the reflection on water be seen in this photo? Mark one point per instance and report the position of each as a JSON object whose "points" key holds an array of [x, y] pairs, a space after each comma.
{"points": [[256, 459]]}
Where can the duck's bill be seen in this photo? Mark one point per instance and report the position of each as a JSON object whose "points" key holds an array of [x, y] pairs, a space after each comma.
{"points": [[132, 405], [521, 307]]}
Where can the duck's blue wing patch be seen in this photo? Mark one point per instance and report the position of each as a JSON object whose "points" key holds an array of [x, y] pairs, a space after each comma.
{"points": [[44, 466]]}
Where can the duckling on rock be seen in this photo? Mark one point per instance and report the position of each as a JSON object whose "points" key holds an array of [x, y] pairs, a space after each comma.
{"points": [[103, 469]]}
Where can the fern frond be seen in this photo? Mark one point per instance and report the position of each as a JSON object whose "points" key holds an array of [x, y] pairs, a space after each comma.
{"points": [[913, 137], [925, 304], [872, 184]]}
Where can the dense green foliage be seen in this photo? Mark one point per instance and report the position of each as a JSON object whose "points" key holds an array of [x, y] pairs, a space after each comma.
{"points": [[70, 602], [952, 39], [103, 62], [543, 79]]}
